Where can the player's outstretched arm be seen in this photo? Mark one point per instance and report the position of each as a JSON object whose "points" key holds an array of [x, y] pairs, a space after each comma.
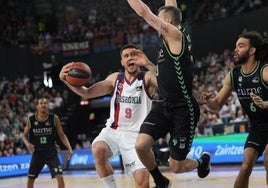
{"points": [[216, 103], [171, 3]]}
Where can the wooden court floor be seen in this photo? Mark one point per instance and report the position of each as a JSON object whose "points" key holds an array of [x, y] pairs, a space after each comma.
{"points": [[220, 177]]}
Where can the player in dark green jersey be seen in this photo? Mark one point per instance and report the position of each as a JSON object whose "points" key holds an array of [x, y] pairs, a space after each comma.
{"points": [[249, 78], [40, 136]]}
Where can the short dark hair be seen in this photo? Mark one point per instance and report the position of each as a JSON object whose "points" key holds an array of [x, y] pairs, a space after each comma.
{"points": [[174, 12], [128, 46], [39, 98], [256, 41]]}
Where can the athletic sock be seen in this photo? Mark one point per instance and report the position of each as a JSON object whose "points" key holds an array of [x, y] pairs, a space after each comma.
{"points": [[109, 182], [157, 176]]}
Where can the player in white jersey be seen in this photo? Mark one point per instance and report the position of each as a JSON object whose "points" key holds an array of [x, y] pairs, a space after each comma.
{"points": [[132, 100], [130, 103]]}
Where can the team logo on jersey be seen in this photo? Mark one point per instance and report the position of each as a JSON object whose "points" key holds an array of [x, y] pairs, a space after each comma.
{"points": [[182, 142], [256, 80], [139, 88], [240, 80], [160, 53], [47, 123], [182, 145]]}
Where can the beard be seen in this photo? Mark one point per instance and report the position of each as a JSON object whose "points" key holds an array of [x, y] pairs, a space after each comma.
{"points": [[132, 72], [241, 60]]}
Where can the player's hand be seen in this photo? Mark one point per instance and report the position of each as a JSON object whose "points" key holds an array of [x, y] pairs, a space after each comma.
{"points": [[30, 148], [69, 154], [64, 71], [258, 101], [139, 57], [205, 96]]}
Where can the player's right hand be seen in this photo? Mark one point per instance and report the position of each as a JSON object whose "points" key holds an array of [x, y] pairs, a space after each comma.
{"points": [[64, 71], [30, 148], [205, 96]]}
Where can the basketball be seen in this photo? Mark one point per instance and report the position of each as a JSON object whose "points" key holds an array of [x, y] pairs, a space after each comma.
{"points": [[79, 74]]}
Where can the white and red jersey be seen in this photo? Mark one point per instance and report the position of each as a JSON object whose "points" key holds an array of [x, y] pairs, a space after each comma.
{"points": [[130, 104]]}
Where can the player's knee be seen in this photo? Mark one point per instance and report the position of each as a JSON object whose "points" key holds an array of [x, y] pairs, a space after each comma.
{"points": [[265, 163], [142, 178], [246, 168], [140, 147], [100, 150], [143, 144]]}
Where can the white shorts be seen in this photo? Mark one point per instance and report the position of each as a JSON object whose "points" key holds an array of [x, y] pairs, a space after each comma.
{"points": [[123, 143]]}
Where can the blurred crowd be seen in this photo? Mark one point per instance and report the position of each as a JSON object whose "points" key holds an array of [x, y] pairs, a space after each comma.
{"points": [[101, 22]]}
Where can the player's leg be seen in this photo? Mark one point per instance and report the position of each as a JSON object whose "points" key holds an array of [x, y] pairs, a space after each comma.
{"points": [[30, 182], [265, 162], [250, 157], [131, 162], [155, 126], [55, 167], [103, 148], [101, 153], [144, 150], [141, 177], [36, 165], [60, 181], [254, 147], [185, 118]]}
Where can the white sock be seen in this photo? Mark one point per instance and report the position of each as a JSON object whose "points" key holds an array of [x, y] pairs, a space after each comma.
{"points": [[109, 181]]}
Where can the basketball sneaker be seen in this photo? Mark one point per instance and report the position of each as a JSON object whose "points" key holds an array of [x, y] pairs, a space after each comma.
{"points": [[204, 165], [166, 184]]}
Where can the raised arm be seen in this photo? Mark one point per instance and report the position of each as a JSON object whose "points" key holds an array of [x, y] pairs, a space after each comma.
{"points": [[164, 28], [171, 3], [143, 61], [163, 23]]}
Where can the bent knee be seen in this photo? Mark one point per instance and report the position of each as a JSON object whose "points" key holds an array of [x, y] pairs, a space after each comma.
{"points": [[142, 178], [101, 150], [143, 143]]}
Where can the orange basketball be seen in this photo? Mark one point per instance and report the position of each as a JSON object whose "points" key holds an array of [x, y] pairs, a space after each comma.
{"points": [[79, 74]]}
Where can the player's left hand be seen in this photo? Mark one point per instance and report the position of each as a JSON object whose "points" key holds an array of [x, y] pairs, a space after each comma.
{"points": [[258, 101], [139, 57], [69, 154]]}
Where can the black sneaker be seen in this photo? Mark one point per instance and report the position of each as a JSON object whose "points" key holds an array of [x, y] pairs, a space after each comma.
{"points": [[166, 184], [204, 168]]}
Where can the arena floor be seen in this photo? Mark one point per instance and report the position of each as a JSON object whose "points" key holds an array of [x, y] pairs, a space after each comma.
{"points": [[220, 177]]}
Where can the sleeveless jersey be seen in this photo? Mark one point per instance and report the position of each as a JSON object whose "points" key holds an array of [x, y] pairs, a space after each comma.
{"points": [[130, 104], [42, 133], [244, 84], [175, 72]]}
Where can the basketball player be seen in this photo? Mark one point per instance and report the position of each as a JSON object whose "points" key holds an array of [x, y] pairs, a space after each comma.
{"points": [[249, 78], [40, 136], [177, 111], [132, 91]]}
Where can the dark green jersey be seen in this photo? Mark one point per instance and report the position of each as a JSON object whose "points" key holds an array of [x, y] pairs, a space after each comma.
{"points": [[175, 72], [244, 84], [43, 133]]}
